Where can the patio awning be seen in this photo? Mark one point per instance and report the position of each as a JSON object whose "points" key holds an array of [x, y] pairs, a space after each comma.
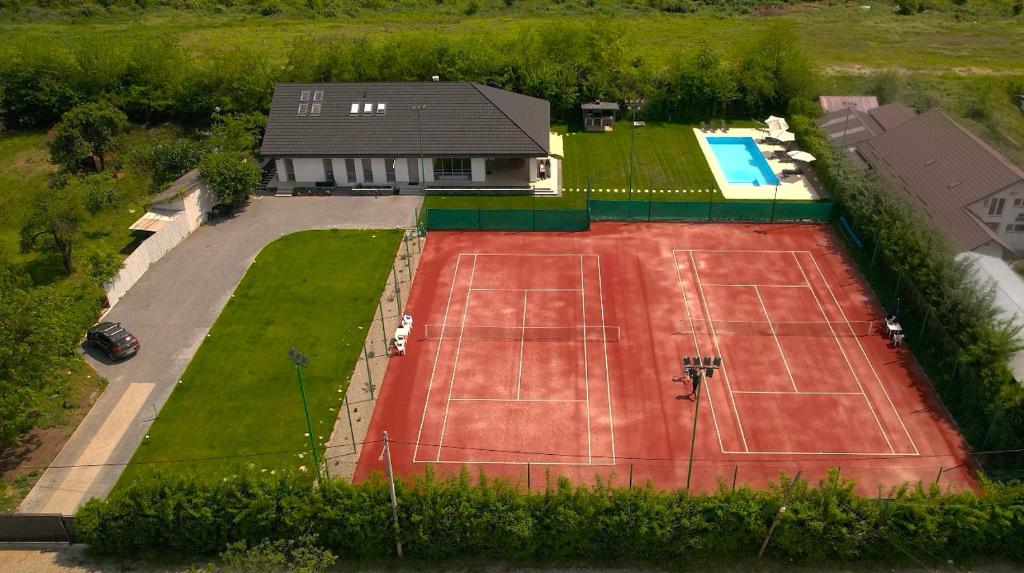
{"points": [[801, 156], [152, 222], [776, 123], [556, 148]]}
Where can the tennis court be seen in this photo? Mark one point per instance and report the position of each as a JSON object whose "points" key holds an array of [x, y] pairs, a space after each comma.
{"points": [[536, 355]]}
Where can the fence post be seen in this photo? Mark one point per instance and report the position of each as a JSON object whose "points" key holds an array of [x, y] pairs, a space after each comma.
{"points": [[383, 328], [398, 289], [528, 472], [408, 256], [735, 472], [394, 498], [369, 373], [630, 476], [778, 514], [924, 323]]}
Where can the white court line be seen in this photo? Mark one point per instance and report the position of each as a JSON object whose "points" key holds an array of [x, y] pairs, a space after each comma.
{"points": [[868, 360], [696, 345], [604, 342], [430, 383], [518, 463], [778, 344], [803, 453], [839, 344], [800, 393], [528, 289], [523, 254], [736, 251], [752, 284], [455, 363], [586, 365], [522, 346], [557, 400]]}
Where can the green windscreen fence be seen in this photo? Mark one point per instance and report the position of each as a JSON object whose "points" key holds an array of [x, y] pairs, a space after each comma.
{"points": [[481, 219], [507, 219]]}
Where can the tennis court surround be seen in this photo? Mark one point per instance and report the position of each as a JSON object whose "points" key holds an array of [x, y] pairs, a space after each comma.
{"points": [[537, 355]]}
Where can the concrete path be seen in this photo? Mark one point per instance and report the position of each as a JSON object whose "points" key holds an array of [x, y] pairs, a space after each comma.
{"points": [[171, 309]]}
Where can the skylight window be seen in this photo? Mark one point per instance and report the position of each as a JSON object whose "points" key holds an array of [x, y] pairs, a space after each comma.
{"points": [[304, 95], [381, 108], [318, 95], [314, 109], [355, 108], [367, 107], [303, 108]]}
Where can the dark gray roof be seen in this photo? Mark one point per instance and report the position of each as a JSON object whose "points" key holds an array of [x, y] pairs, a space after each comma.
{"points": [[942, 168], [601, 105], [862, 125], [892, 115], [460, 118]]}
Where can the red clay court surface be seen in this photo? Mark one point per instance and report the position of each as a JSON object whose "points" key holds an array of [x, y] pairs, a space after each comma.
{"points": [[554, 354]]}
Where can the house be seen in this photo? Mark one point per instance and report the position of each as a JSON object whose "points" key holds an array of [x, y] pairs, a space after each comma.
{"points": [[599, 115], [968, 189], [1008, 289], [170, 216], [848, 126], [409, 135], [830, 103]]}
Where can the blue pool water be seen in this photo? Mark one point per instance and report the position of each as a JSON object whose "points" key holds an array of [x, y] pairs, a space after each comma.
{"points": [[741, 161]]}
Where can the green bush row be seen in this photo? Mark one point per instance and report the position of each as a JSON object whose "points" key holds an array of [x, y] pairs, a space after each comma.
{"points": [[957, 334], [170, 515]]}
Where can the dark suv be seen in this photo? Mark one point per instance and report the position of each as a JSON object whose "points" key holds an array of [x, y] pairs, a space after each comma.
{"points": [[113, 340]]}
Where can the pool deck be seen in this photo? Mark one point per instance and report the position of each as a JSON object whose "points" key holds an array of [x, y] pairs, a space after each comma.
{"points": [[791, 188]]}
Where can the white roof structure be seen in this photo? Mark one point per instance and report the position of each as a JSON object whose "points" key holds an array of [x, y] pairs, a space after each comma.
{"points": [[1009, 294]]}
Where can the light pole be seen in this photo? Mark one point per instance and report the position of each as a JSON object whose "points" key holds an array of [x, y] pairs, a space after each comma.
{"points": [[698, 372], [419, 135], [633, 105], [300, 359]]}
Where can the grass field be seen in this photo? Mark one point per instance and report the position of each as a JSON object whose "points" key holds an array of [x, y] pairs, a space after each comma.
{"points": [[316, 291], [667, 156]]}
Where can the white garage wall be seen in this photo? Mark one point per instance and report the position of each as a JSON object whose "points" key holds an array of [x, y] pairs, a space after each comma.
{"points": [[309, 170]]}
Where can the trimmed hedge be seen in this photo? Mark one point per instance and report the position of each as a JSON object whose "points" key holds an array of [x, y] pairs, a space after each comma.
{"points": [[173, 515]]}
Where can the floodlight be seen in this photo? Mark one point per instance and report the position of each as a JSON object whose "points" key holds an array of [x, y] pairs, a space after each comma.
{"points": [[707, 361], [709, 372], [686, 361], [718, 361], [696, 360]]}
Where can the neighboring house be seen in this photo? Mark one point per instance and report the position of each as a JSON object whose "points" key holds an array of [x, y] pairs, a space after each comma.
{"points": [[847, 127], [830, 103], [170, 216], [375, 135], [968, 189], [1008, 288]]}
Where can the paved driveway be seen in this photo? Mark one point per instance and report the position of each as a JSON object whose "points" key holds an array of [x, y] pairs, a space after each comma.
{"points": [[171, 309]]}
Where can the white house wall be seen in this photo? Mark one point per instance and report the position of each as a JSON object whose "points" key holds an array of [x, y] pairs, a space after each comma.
{"points": [[402, 169], [479, 169], [379, 170], [1009, 225], [340, 173], [309, 170], [282, 172]]}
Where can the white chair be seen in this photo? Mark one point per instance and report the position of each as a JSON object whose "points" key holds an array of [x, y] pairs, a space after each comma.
{"points": [[399, 345], [407, 321], [402, 333]]}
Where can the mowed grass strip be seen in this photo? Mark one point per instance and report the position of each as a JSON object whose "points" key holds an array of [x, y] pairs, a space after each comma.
{"points": [[666, 156], [314, 290]]}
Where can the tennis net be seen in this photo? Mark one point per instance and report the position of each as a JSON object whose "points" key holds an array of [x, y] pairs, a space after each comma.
{"points": [[839, 328], [528, 333]]}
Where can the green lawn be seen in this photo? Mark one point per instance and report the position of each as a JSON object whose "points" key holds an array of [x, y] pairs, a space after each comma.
{"points": [[314, 290], [667, 156]]}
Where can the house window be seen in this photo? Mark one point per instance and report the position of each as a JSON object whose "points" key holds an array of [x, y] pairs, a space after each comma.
{"points": [[994, 226], [995, 207], [1015, 228], [389, 166], [1020, 216], [289, 169], [367, 170], [453, 168], [328, 171], [350, 170], [1018, 202]]}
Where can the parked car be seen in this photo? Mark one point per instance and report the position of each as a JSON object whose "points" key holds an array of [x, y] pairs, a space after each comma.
{"points": [[112, 338]]}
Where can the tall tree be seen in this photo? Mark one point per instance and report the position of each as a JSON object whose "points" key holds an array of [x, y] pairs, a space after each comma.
{"points": [[774, 70], [87, 131], [54, 223], [232, 176]]}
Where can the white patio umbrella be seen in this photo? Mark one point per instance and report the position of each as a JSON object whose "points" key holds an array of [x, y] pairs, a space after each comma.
{"points": [[776, 123], [782, 135], [801, 156]]}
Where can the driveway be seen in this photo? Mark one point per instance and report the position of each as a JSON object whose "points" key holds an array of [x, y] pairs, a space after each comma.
{"points": [[171, 309]]}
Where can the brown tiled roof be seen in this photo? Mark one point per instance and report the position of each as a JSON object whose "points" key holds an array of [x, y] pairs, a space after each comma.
{"points": [[942, 167], [892, 115], [857, 125]]}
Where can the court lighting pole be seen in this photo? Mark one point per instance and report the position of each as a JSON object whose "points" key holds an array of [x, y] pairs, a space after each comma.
{"points": [[633, 105], [300, 359], [699, 371], [419, 135]]}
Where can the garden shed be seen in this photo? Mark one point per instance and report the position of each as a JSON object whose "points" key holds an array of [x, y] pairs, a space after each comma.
{"points": [[599, 115]]}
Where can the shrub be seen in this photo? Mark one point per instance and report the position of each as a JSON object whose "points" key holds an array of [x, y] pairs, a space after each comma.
{"points": [[257, 515], [103, 266], [471, 8], [232, 176], [270, 8]]}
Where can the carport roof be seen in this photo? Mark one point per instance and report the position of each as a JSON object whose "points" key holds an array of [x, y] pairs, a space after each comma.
{"points": [[379, 120]]}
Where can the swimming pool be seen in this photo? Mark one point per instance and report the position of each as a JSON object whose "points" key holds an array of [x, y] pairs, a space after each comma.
{"points": [[741, 161]]}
